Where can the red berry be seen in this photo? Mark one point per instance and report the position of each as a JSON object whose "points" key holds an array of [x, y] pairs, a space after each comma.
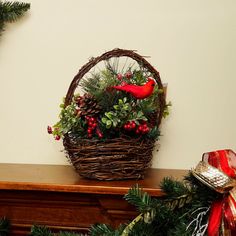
{"points": [[57, 137], [137, 131], [140, 128], [89, 131], [49, 129], [90, 135], [90, 124], [92, 119], [128, 75], [129, 127], [119, 76], [133, 125], [100, 135], [94, 125]]}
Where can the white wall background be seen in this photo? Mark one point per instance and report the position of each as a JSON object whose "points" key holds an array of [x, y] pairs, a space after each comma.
{"points": [[191, 43]]}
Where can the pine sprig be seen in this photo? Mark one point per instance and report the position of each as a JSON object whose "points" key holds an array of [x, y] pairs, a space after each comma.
{"points": [[40, 231], [141, 200], [37, 230], [98, 85], [11, 11], [105, 230], [4, 227], [174, 188]]}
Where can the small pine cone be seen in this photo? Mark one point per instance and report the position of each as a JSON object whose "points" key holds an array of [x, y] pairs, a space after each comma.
{"points": [[88, 106], [153, 118]]}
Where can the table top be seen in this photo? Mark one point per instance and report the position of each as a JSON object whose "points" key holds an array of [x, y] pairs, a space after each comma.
{"points": [[63, 178]]}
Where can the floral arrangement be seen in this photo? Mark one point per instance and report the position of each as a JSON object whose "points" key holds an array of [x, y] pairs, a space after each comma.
{"points": [[113, 104]]}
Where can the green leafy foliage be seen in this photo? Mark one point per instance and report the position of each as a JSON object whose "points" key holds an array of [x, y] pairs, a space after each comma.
{"points": [[119, 115], [11, 11], [69, 121], [167, 109]]}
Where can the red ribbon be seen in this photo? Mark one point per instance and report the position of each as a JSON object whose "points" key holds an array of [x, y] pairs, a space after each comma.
{"points": [[223, 210]]}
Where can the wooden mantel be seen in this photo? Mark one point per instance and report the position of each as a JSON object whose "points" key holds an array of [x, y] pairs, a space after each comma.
{"points": [[55, 195]]}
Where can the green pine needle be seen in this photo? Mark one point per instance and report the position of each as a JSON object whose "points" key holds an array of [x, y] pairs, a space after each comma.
{"points": [[103, 230], [174, 188], [40, 231], [11, 11], [141, 200], [4, 227]]}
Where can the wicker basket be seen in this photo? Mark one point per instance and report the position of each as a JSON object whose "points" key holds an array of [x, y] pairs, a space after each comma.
{"points": [[118, 158]]}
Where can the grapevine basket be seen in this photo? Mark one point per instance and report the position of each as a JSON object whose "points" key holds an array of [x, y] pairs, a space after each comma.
{"points": [[118, 158]]}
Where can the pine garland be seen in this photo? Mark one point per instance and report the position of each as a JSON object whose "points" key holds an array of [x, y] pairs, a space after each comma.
{"points": [[183, 210], [11, 11]]}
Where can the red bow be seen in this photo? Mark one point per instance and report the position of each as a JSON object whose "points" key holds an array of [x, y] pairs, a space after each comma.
{"points": [[223, 211]]}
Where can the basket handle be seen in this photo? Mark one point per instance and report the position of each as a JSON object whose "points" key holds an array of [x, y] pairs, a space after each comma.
{"points": [[117, 53]]}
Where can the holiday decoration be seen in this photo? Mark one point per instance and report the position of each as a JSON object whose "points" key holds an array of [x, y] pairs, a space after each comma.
{"points": [[138, 91], [202, 204], [220, 175], [110, 127], [11, 11]]}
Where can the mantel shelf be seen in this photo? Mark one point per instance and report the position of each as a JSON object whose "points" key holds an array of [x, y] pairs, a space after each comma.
{"points": [[56, 196], [63, 178]]}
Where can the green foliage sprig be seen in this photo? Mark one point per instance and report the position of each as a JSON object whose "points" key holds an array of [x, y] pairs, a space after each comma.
{"points": [[11, 11]]}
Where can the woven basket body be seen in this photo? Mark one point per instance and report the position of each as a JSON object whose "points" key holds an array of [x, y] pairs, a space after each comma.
{"points": [[118, 158]]}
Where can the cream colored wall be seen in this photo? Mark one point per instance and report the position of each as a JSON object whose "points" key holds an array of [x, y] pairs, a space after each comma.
{"points": [[191, 43]]}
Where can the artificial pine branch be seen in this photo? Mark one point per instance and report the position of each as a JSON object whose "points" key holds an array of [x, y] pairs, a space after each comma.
{"points": [[11, 11], [45, 231], [141, 200], [104, 230], [40, 231], [4, 227], [99, 86]]}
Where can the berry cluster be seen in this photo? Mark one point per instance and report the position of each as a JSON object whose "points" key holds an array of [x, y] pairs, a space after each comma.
{"points": [[139, 129], [142, 128], [50, 131], [93, 126], [128, 75], [130, 125]]}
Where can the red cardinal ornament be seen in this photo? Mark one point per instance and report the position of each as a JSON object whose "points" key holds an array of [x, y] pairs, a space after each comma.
{"points": [[138, 91]]}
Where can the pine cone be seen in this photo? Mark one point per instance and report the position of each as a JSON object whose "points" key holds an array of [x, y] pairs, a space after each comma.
{"points": [[153, 117], [87, 105]]}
